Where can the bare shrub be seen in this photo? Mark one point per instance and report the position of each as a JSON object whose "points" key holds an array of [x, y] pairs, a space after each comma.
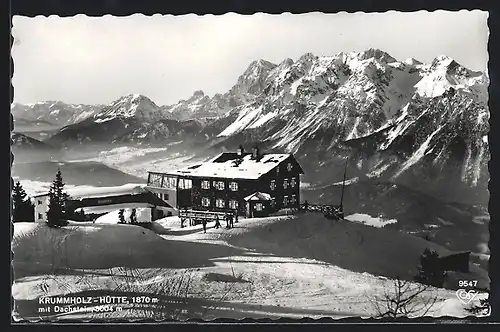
{"points": [[405, 299]]}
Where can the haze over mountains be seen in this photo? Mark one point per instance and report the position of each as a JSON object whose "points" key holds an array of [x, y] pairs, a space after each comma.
{"points": [[409, 123]]}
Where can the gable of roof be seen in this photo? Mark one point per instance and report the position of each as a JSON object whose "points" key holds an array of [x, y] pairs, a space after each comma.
{"points": [[145, 197], [258, 196], [230, 165]]}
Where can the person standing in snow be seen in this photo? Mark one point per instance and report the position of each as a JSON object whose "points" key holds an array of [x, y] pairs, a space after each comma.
{"points": [[204, 222], [231, 220], [227, 220], [217, 223]]}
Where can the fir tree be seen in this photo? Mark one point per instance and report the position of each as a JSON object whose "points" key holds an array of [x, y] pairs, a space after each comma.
{"points": [[57, 202], [430, 271], [23, 209]]}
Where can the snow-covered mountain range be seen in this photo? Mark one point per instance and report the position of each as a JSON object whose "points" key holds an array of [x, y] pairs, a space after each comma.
{"points": [[407, 121], [424, 125], [54, 113], [130, 119]]}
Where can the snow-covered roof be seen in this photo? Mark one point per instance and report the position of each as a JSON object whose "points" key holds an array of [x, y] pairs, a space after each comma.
{"points": [[126, 189], [113, 207], [229, 165], [258, 196], [94, 192], [41, 194]]}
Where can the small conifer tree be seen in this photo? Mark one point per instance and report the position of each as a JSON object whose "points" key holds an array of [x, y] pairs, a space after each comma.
{"points": [[23, 209], [57, 202]]}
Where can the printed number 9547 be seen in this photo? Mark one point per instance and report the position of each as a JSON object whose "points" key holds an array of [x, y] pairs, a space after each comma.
{"points": [[467, 283]]}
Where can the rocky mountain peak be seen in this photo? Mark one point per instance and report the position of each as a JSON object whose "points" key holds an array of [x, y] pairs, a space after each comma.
{"points": [[286, 63], [441, 61], [132, 105], [198, 93], [307, 57], [412, 62], [378, 55], [252, 81]]}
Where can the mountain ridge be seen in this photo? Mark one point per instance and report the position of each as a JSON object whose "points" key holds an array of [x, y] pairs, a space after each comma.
{"points": [[255, 71]]}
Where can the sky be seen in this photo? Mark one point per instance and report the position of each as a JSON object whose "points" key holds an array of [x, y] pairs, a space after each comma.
{"points": [[96, 60]]}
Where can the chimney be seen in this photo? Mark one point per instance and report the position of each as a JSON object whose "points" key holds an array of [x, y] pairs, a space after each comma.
{"points": [[255, 153], [240, 151]]}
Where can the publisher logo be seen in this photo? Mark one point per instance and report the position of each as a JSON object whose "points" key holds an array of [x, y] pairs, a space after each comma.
{"points": [[465, 296]]}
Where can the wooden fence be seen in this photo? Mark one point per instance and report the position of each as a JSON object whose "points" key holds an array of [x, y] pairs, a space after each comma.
{"points": [[329, 211], [196, 217]]}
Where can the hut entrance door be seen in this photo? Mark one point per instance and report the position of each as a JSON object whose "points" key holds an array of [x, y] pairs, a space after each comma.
{"points": [[249, 209]]}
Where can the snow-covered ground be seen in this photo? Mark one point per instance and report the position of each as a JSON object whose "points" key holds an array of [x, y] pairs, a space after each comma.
{"points": [[203, 273], [369, 220]]}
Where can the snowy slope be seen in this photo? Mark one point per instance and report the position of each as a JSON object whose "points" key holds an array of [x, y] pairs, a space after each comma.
{"points": [[266, 267]]}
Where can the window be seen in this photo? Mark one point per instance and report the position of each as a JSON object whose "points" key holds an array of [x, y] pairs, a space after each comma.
{"points": [[40, 216], [165, 197], [185, 184], [233, 204], [277, 170], [219, 185], [205, 201], [205, 184], [169, 182], [289, 167], [285, 183], [294, 199], [233, 186], [39, 202], [273, 201], [220, 203], [285, 201], [258, 206], [293, 182], [155, 179], [273, 184]]}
